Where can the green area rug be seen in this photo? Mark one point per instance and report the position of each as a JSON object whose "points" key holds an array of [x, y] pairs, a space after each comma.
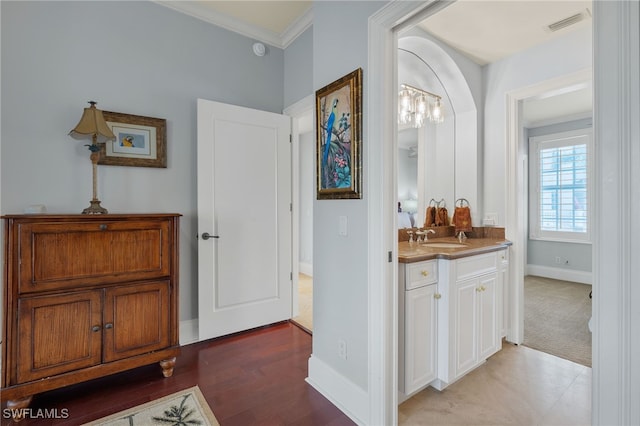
{"points": [[187, 407]]}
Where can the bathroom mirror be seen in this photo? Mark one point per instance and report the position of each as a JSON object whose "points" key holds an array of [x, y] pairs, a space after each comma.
{"points": [[426, 155], [408, 177], [446, 153]]}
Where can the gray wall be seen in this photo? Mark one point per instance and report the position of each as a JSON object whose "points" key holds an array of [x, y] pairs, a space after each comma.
{"points": [[340, 267], [132, 57], [298, 68], [544, 253]]}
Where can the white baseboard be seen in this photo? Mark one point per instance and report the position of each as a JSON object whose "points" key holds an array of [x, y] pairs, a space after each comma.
{"points": [[560, 274], [344, 394], [305, 268], [188, 332]]}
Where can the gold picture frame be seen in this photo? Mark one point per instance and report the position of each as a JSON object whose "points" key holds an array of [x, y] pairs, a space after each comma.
{"points": [[140, 141], [339, 138]]}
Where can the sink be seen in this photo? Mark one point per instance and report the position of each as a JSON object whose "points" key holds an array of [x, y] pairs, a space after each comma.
{"points": [[444, 245]]}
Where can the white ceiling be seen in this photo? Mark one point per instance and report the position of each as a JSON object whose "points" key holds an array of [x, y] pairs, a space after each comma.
{"points": [[274, 22], [273, 16], [483, 30], [487, 31]]}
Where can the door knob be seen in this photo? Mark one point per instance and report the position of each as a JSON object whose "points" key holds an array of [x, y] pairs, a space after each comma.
{"points": [[206, 236]]}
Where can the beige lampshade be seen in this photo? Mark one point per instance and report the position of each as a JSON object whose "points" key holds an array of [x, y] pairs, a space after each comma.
{"points": [[92, 123]]}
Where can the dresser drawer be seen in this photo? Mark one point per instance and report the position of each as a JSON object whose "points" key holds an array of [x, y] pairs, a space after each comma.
{"points": [[421, 273], [68, 255]]}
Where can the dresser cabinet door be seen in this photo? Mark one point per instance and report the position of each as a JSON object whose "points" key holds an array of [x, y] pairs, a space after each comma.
{"points": [[58, 333], [136, 320]]}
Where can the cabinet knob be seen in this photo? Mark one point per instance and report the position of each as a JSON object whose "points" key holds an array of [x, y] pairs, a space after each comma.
{"points": [[103, 227], [109, 325], [95, 328], [437, 296], [424, 273], [479, 289]]}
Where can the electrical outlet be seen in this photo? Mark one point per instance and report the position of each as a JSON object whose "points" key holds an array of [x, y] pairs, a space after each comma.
{"points": [[342, 349], [558, 260], [490, 219]]}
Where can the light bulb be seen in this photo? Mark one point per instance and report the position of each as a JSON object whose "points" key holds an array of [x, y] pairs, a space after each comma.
{"points": [[436, 112], [405, 106]]}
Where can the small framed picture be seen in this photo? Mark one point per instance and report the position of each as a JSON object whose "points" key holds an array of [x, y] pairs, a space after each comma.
{"points": [[140, 141]]}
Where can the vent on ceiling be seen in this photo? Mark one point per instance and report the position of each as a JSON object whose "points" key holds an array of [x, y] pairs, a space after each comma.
{"points": [[571, 20]]}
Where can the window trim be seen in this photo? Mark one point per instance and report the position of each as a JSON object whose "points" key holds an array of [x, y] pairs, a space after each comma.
{"points": [[559, 139]]}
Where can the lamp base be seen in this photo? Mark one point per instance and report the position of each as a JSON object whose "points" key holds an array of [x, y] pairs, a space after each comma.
{"points": [[95, 208]]}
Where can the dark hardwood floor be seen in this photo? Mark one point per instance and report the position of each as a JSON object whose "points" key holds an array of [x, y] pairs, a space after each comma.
{"points": [[251, 378]]}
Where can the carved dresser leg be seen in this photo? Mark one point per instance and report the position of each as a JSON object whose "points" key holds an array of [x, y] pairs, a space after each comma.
{"points": [[167, 366], [16, 407]]}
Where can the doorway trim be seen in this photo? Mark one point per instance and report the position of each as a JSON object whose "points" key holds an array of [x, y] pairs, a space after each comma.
{"points": [[517, 191], [381, 157], [299, 113]]}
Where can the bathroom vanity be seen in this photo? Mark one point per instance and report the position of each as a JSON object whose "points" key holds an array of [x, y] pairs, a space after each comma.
{"points": [[451, 309]]}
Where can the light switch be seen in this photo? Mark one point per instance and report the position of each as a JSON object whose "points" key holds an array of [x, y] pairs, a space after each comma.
{"points": [[342, 226]]}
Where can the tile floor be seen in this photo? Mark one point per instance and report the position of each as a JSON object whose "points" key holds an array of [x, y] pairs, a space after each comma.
{"points": [[516, 386], [305, 303]]}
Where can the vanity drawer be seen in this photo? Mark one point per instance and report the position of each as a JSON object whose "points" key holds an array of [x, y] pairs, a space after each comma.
{"points": [[421, 273], [474, 266]]}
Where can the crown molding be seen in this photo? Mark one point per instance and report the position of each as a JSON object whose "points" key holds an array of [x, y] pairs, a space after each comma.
{"points": [[230, 23], [296, 28]]}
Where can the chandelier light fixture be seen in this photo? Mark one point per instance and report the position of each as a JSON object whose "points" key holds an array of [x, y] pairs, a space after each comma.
{"points": [[415, 106]]}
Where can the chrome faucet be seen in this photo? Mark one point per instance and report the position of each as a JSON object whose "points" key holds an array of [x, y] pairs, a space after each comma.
{"points": [[427, 232]]}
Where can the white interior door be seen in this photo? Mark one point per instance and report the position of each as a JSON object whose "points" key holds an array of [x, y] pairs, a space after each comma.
{"points": [[244, 198]]}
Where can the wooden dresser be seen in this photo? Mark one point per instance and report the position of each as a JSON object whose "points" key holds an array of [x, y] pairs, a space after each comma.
{"points": [[86, 296]]}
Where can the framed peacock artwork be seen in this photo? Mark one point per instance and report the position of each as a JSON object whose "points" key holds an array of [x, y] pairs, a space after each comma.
{"points": [[339, 138]]}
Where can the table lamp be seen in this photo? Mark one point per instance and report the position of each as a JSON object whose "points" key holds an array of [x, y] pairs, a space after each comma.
{"points": [[93, 126]]}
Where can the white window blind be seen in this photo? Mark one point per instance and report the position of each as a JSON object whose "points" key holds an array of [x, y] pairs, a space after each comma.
{"points": [[560, 182]]}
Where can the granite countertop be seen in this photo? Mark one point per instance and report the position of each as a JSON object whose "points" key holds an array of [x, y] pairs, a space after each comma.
{"points": [[414, 252]]}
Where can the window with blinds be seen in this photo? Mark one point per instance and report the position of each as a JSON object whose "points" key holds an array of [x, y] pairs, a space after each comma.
{"points": [[560, 179]]}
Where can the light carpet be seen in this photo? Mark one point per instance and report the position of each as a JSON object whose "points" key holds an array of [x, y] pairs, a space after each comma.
{"points": [[556, 318], [187, 407], [305, 302]]}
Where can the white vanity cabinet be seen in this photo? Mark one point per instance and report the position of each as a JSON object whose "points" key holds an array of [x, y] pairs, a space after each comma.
{"points": [[452, 313], [417, 337], [470, 320]]}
